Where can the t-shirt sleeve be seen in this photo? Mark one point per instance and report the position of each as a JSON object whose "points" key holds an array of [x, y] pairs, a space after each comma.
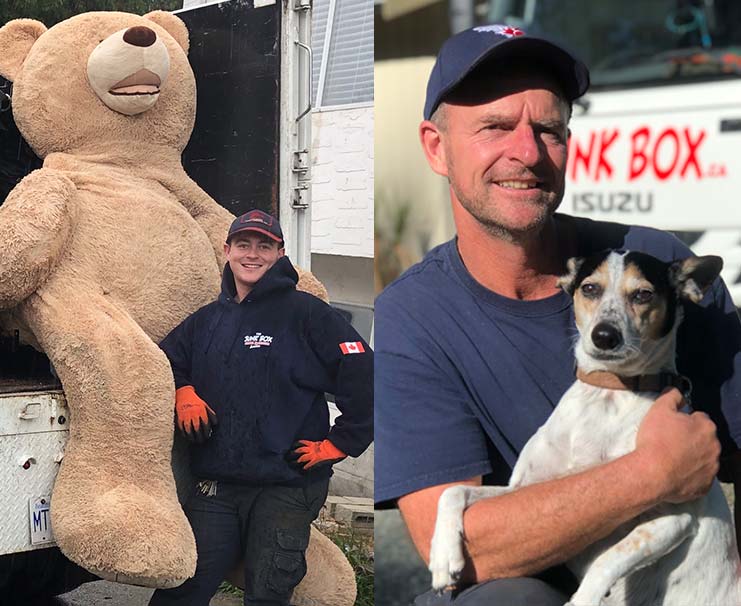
{"points": [[425, 431]]}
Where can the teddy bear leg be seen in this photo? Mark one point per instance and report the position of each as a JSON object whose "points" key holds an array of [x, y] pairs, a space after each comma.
{"points": [[114, 507]]}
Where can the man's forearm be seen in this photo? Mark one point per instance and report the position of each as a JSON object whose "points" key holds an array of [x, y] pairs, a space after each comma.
{"points": [[559, 518]]}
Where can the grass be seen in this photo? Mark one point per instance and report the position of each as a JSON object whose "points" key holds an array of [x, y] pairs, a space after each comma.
{"points": [[227, 587], [358, 549]]}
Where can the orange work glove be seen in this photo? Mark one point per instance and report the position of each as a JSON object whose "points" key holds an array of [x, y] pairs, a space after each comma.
{"points": [[304, 454], [193, 416]]}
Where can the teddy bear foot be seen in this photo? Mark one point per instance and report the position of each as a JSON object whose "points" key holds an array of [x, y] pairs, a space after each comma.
{"points": [[126, 535], [140, 581]]}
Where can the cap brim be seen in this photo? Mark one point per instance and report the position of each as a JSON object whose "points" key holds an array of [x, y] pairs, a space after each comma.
{"points": [[571, 73], [259, 230]]}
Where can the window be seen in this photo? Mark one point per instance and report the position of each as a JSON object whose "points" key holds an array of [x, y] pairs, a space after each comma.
{"points": [[342, 41]]}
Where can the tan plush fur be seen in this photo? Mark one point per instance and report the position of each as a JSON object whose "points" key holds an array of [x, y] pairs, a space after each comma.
{"points": [[329, 582], [102, 252]]}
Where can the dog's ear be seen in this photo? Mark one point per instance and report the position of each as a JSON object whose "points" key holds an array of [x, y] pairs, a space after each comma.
{"points": [[693, 276], [568, 280]]}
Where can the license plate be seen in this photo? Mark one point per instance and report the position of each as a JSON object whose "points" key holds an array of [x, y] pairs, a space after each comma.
{"points": [[40, 521]]}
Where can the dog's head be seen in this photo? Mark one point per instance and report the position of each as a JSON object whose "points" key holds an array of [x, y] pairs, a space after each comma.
{"points": [[626, 307]]}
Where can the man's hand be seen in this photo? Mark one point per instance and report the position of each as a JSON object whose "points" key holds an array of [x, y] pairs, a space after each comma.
{"points": [[305, 455], [680, 451], [193, 416]]}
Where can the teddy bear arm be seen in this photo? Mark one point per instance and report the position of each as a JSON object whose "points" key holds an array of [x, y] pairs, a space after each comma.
{"points": [[36, 222], [213, 219], [308, 282], [215, 223]]}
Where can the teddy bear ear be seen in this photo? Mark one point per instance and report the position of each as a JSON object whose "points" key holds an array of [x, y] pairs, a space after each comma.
{"points": [[16, 39], [174, 26]]}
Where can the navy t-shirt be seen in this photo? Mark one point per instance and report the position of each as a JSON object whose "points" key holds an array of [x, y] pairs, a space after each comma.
{"points": [[464, 376]]}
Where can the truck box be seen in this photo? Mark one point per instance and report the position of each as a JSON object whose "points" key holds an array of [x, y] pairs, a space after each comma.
{"points": [[33, 431]]}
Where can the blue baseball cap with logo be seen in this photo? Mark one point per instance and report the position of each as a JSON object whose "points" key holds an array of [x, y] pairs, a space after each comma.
{"points": [[461, 54]]}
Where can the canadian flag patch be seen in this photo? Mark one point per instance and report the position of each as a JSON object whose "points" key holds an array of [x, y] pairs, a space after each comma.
{"points": [[351, 347]]}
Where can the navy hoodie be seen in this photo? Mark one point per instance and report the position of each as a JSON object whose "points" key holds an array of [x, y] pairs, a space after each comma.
{"points": [[263, 365]]}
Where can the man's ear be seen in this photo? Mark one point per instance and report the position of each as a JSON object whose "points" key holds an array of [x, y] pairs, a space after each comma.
{"points": [[692, 277], [16, 39], [174, 26], [568, 280], [432, 145]]}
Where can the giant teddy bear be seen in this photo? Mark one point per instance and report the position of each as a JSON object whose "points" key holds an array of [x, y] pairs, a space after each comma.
{"points": [[102, 252]]}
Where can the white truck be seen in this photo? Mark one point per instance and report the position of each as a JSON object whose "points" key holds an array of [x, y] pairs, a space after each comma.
{"points": [[254, 102], [656, 139]]}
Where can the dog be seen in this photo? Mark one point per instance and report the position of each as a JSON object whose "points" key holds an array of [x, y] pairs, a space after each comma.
{"points": [[627, 309]]}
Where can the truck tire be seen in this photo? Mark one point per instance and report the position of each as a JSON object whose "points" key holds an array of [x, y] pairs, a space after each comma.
{"points": [[37, 574]]}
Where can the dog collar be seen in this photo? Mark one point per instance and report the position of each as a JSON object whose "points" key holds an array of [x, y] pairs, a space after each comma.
{"points": [[655, 383]]}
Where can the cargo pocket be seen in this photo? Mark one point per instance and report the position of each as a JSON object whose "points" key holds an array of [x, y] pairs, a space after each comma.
{"points": [[289, 563]]}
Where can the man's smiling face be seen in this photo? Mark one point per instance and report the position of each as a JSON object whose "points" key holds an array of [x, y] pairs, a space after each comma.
{"points": [[250, 256], [505, 151]]}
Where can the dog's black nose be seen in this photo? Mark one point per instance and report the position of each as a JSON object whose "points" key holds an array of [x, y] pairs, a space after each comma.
{"points": [[606, 336]]}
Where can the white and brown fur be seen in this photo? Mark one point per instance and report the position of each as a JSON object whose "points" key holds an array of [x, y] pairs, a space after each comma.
{"points": [[627, 311]]}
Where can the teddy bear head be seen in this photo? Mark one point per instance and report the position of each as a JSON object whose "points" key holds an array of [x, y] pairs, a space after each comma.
{"points": [[100, 80]]}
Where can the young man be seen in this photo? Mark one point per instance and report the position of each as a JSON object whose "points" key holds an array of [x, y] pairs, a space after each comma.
{"points": [[251, 371], [474, 343]]}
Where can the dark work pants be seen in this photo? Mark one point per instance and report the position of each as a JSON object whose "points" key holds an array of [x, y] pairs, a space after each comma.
{"points": [[524, 591], [268, 525]]}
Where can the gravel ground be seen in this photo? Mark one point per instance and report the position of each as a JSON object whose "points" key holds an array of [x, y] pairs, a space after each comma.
{"points": [[105, 593]]}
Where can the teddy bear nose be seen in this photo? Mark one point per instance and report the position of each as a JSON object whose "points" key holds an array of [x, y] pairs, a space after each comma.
{"points": [[140, 35]]}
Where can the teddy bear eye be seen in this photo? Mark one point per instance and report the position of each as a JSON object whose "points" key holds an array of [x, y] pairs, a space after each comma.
{"points": [[590, 290]]}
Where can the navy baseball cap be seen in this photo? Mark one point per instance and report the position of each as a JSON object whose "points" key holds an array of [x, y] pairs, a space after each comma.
{"points": [[259, 221], [463, 53]]}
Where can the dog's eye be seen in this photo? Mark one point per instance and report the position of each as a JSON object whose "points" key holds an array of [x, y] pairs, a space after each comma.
{"points": [[642, 296], [591, 291]]}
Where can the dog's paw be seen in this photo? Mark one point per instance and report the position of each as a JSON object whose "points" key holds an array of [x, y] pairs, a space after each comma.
{"points": [[444, 578], [446, 561]]}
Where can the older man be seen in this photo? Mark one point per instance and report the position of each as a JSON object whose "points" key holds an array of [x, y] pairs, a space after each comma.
{"points": [[474, 343]]}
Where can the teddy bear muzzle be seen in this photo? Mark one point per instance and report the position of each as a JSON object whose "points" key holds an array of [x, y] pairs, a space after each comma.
{"points": [[128, 69]]}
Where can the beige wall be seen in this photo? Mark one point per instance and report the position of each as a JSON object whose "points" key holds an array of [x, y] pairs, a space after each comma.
{"points": [[348, 279], [402, 173]]}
